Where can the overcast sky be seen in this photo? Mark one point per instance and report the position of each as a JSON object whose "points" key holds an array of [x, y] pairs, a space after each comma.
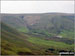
{"points": [[37, 6]]}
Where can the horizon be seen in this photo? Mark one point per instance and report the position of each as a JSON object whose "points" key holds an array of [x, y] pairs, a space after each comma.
{"points": [[41, 13]]}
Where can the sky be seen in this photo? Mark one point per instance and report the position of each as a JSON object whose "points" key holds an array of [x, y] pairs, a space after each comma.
{"points": [[37, 6]]}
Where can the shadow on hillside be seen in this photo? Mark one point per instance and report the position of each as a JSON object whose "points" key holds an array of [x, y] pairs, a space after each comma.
{"points": [[25, 53]]}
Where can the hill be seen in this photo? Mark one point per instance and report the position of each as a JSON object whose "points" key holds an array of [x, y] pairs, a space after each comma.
{"points": [[48, 24], [37, 34]]}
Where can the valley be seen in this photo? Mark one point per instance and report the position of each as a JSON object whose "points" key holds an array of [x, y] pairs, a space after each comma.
{"points": [[37, 34]]}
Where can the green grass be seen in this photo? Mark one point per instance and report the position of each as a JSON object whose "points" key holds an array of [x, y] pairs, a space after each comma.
{"points": [[43, 32], [25, 30], [67, 34], [11, 48], [47, 43]]}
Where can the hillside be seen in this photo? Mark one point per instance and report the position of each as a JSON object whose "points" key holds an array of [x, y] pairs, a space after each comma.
{"points": [[37, 34], [48, 24], [12, 41]]}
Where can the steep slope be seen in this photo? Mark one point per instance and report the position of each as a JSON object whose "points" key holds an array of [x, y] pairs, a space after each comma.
{"points": [[12, 41], [14, 21]]}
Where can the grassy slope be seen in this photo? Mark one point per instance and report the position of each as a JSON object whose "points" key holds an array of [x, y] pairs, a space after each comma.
{"points": [[12, 41], [24, 30], [69, 34], [48, 43], [25, 43]]}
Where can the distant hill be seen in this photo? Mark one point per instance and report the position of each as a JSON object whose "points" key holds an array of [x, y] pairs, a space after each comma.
{"points": [[53, 23]]}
